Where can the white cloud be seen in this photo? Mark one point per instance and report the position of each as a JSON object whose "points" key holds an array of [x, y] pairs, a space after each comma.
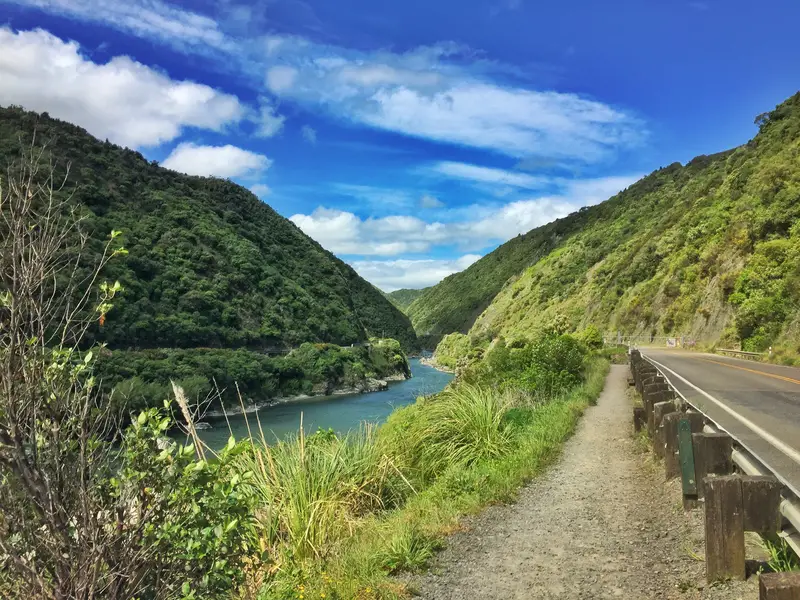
{"points": [[428, 201], [217, 161], [122, 100], [343, 232], [443, 93], [281, 78], [309, 134], [145, 18], [270, 122], [390, 275], [480, 174], [261, 190]]}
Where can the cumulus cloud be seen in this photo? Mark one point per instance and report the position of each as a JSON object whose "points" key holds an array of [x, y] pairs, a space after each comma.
{"points": [[122, 100], [390, 275], [344, 232], [309, 134], [217, 161]]}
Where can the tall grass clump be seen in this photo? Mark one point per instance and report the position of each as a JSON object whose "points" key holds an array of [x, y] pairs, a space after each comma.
{"points": [[311, 490], [460, 426]]}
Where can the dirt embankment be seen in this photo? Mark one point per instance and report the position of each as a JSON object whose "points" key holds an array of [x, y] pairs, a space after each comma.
{"points": [[600, 524]]}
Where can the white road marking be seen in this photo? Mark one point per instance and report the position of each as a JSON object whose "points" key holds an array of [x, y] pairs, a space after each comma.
{"points": [[786, 449]]}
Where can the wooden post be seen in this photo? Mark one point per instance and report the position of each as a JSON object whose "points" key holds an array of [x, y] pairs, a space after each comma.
{"points": [[724, 528], [712, 456], [691, 422], [659, 410], [779, 586], [639, 418], [761, 502], [669, 426]]}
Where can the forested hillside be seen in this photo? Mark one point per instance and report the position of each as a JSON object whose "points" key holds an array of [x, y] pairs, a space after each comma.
{"points": [[209, 264], [710, 250], [402, 299]]}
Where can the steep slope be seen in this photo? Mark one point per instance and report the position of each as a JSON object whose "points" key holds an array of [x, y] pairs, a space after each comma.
{"points": [[209, 264], [453, 304], [710, 250], [402, 299]]}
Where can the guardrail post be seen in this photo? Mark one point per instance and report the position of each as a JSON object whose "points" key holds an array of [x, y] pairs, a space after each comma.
{"points": [[712, 456], [724, 528], [669, 426], [779, 586], [660, 409], [761, 502], [691, 423]]}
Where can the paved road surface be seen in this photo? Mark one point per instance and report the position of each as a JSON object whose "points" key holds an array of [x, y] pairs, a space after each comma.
{"points": [[757, 403]]}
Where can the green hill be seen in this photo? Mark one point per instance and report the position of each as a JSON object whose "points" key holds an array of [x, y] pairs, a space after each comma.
{"points": [[402, 299], [710, 250], [209, 264]]}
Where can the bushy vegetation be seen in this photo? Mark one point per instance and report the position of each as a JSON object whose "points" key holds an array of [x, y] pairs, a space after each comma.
{"points": [[403, 298], [209, 264], [452, 348], [143, 378], [708, 250]]}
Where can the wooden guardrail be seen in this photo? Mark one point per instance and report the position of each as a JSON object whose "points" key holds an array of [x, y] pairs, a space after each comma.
{"points": [[737, 492]]}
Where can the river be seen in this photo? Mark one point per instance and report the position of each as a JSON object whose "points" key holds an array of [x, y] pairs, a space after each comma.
{"points": [[340, 413]]}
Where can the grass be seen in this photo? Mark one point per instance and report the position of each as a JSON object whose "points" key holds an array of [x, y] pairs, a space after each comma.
{"points": [[341, 515], [781, 556]]}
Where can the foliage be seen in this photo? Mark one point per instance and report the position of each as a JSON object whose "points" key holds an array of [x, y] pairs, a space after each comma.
{"points": [[544, 367], [88, 510], [142, 378], [453, 347], [402, 299], [707, 249], [210, 265], [592, 337]]}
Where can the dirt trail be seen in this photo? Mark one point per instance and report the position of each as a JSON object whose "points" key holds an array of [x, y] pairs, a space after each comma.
{"points": [[600, 524]]}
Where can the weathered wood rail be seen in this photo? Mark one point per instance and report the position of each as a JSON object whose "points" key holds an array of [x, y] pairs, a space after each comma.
{"points": [[736, 491]]}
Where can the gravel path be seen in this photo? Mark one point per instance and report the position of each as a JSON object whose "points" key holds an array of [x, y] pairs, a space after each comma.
{"points": [[600, 524]]}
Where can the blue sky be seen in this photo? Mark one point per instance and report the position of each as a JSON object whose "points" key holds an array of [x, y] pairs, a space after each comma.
{"points": [[409, 138]]}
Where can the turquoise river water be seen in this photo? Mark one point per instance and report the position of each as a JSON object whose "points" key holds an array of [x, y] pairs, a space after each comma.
{"points": [[340, 413]]}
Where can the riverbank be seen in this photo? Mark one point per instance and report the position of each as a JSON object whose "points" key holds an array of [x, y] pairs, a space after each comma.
{"points": [[431, 362], [370, 386], [340, 413]]}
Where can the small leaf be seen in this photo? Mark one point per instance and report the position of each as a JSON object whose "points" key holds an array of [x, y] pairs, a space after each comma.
{"points": [[88, 358], [231, 443], [142, 418]]}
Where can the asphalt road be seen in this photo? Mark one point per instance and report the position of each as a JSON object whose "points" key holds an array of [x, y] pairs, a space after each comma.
{"points": [[756, 403]]}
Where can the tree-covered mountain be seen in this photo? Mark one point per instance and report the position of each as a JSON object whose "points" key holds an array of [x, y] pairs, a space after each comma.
{"points": [[208, 264], [710, 249], [403, 298]]}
